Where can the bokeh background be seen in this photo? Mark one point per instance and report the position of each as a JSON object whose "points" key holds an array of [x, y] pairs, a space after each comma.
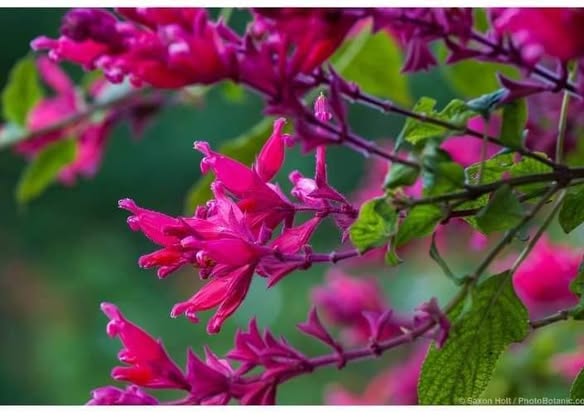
{"points": [[69, 250]]}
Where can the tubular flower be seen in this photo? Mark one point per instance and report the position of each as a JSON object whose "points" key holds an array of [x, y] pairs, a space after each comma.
{"points": [[132, 395], [537, 31], [230, 238], [163, 47], [150, 365]]}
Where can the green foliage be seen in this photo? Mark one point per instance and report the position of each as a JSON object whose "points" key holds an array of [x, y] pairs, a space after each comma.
{"points": [[400, 175], [577, 287], [22, 91], [571, 214], [501, 213], [420, 221], [374, 61], [440, 175], [43, 170], [577, 389], [462, 368], [418, 132], [513, 125], [376, 223], [487, 103], [495, 168], [244, 148], [472, 78]]}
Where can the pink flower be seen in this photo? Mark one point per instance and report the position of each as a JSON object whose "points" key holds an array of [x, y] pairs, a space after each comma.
{"points": [[557, 32], [397, 385], [150, 365], [166, 48], [210, 380], [132, 395], [344, 300], [543, 279]]}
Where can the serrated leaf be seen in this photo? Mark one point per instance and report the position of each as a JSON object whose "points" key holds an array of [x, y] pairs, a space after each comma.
{"points": [[501, 213], [43, 170], [572, 212], [419, 222], [244, 148], [22, 91], [374, 63], [375, 224], [418, 132], [442, 178], [400, 175], [577, 389], [513, 124], [465, 364]]}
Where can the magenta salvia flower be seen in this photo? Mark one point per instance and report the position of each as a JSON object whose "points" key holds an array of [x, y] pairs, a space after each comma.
{"points": [[132, 395], [542, 282], [150, 365], [166, 48], [555, 32]]}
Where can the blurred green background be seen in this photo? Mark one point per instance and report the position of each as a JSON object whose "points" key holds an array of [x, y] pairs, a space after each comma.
{"points": [[71, 249]]}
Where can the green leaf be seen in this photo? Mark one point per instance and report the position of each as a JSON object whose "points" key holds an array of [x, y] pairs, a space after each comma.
{"points": [[418, 132], [487, 103], [513, 125], [400, 175], [43, 170], [577, 389], [376, 223], [577, 287], [244, 148], [22, 91], [374, 63], [441, 178], [572, 213], [472, 78], [502, 212], [233, 92], [505, 163], [420, 221], [462, 368]]}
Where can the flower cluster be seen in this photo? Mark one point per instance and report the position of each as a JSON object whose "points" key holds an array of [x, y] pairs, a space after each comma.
{"points": [[237, 234], [252, 229]]}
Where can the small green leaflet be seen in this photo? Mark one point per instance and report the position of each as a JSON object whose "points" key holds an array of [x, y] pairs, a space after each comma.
{"points": [[465, 364], [22, 91], [577, 288], [244, 148], [418, 132], [513, 125], [501, 213], [419, 222], [376, 223], [572, 212], [400, 175], [43, 170], [374, 62]]}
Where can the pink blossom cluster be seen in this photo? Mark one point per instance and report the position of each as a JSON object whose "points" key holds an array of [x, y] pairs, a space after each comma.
{"points": [[252, 229]]}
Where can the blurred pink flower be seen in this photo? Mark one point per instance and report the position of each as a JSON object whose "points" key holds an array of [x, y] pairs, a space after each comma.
{"points": [[398, 385], [542, 282], [569, 364], [558, 32]]}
